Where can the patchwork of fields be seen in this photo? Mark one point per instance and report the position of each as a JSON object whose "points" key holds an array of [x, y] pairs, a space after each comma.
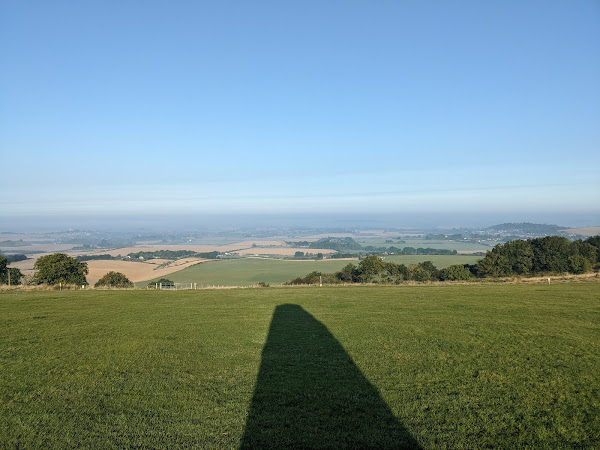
{"points": [[432, 366], [247, 270]]}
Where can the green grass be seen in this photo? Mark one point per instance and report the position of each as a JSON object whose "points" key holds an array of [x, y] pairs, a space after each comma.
{"points": [[250, 271], [439, 261], [424, 243], [436, 366]]}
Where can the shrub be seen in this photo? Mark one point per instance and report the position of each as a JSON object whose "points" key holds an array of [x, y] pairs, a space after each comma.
{"points": [[163, 281], [455, 272], [114, 279]]}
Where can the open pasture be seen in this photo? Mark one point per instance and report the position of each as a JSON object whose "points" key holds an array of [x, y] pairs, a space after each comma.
{"points": [[424, 243], [439, 261], [431, 367], [250, 271]]}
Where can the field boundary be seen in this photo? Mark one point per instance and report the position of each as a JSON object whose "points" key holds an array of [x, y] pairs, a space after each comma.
{"points": [[593, 277]]}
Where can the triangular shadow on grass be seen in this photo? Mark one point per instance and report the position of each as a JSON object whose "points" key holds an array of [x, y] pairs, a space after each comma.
{"points": [[310, 394]]}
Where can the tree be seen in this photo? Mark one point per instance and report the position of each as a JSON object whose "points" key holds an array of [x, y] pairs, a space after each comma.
{"points": [[493, 265], [60, 268], [114, 279], [551, 254], [579, 264], [299, 255], [455, 272], [348, 273], [369, 267], [9, 273], [424, 271], [3, 269]]}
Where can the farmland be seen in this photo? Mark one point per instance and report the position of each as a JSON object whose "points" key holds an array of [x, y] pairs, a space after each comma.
{"points": [[424, 243], [434, 366], [440, 261], [249, 271]]}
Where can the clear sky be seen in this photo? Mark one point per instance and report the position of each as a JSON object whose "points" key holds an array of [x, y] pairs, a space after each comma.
{"points": [[292, 107]]}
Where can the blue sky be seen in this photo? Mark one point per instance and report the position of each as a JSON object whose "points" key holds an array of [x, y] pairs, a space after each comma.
{"points": [[291, 107]]}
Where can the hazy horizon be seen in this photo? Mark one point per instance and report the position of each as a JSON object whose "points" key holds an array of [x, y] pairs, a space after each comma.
{"points": [[180, 223]]}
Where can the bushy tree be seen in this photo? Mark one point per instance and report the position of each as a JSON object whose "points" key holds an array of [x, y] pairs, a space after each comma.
{"points": [[3, 269], [60, 268], [396, 273], [7, 273], [579, 264], [348, 274], [595, 242], [369, 267], [424, 271], [456, 272], [114, 279], [550, 254]]}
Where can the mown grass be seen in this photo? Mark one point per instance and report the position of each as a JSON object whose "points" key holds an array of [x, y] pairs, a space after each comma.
{"points": [[250, 271], [432, 366]]}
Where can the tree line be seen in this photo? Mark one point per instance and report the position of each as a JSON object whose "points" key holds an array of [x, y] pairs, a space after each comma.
{"points": [[158, 254], [373, 269], [549, 255], [348, 247], [540, 256], [15, 257]]}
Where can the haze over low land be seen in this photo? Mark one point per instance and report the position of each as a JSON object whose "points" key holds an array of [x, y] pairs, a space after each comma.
{"points": [[222, 222]]}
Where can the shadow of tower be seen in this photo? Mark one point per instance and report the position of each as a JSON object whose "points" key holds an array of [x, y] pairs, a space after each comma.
{"points": [[310, 394]]}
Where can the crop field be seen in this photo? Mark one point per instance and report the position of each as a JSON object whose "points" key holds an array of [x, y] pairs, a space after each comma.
{"points": [[249, 271], [386, 367], [137, 271]]}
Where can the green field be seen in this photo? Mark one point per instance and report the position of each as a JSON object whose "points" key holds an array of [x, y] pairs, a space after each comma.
{"points": [[439, 261], [249, 271], [425, 243], [431, 366]]}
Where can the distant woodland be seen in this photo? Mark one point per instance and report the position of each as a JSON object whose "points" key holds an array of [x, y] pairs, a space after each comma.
{"points": [[549, 255]]}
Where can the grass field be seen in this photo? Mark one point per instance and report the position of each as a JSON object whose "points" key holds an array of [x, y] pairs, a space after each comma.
{"points": [[440, 261], [249, 271], [431, 366], [424, 243]]}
